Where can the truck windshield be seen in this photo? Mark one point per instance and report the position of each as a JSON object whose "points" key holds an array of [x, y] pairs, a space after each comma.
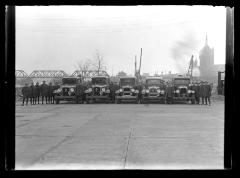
{"points": [[154, 82], [127, 81], [184, 81], [99, 81], [69, 81]]}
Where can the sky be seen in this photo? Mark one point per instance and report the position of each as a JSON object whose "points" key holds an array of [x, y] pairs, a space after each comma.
{"points": [[59, 37]]}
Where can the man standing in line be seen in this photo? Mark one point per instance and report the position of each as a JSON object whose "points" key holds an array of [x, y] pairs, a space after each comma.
{"points": [[169, 93], [198, 93], [201, 93], [32, 97], [205, 91], [44, 92], [50, 93], [37, 93], [25, 93], [208, 93], [196, 89]]}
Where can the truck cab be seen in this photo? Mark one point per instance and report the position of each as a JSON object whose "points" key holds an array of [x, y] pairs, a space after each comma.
{"points": [[98, 89], [127, 90], [68, 90], [182, 89], [154, 90]]}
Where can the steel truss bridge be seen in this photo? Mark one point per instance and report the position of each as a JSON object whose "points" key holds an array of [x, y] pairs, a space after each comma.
{"points": [[59, 74]]}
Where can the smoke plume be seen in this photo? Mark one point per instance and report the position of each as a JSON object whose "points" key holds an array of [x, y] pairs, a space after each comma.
{"points": [[183, 49]]}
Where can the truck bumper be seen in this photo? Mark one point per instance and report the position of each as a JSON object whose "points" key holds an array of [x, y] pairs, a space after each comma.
{"points": [[98, 97], [182, 99], [154, 98], [127, 98], [65, 98]]}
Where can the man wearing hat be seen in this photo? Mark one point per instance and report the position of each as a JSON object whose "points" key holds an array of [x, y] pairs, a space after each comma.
{"points": [[205, 91], [196, 88], [44, 91], [169, 93], [26, 93], [208, 93], [201, 92], [32, 93], [50, 93], [37, 93]]}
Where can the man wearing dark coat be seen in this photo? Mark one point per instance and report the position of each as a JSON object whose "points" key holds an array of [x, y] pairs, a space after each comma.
{"points": [[205, 91], [196, 88], [32, 96], [139, 87], [44, 91], [50, 93], [201, 92], [36, 93], [80, 92], [208, 93], [26, 94], [55, 87], [169, 94]]}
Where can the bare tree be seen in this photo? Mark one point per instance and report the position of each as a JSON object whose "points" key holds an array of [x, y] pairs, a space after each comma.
{"points": [[88, 65], [98, 62], [84, 66]]}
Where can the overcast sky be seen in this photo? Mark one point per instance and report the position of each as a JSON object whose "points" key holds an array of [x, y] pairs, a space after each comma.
{"points": [[58, 37]]}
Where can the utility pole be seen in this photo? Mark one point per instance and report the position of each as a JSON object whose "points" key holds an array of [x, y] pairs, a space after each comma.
{"points": [[140, 61], [139, 70], [135, 70]]}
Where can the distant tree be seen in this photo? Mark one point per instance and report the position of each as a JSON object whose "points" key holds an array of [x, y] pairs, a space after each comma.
{"points": [[121, 73]]}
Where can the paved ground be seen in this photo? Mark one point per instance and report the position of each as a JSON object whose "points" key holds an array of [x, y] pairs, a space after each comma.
{"points": [[119, 136]]}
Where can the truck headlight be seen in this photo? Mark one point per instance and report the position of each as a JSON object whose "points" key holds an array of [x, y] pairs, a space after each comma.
{"points": [[193, 91], [58, 91], [136, 91], [177, 91], [90, 90], [147, 91], [132, 90], [189, 91], [103, 89], [121, 90], [71, 90], [162, 91], [158, 91]]}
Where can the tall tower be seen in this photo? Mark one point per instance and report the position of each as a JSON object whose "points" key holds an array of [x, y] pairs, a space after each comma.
{"points": [[206, 56]]}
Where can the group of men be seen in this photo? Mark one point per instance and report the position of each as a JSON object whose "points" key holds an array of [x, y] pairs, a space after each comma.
{"points": [[36, 92], [202, 90]]}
